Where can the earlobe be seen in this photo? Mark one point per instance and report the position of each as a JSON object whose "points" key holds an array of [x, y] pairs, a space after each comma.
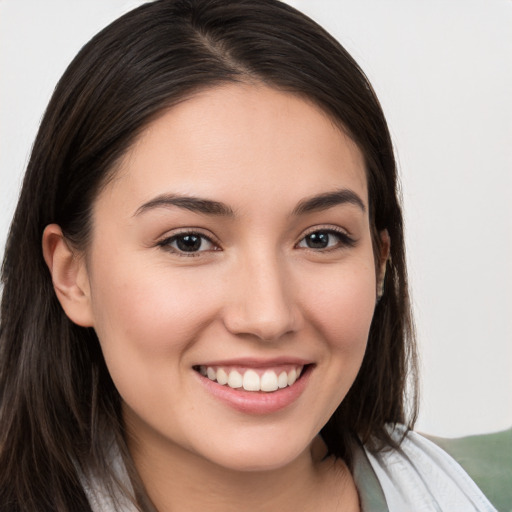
{"points": [[385, 246], [69, 276]]}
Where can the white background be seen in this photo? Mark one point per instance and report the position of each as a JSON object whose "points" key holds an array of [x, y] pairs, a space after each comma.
{"points": [[443, 72]]}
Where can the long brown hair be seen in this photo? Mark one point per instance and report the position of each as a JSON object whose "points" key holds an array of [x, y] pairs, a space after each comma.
{"points": [[56, 396]]}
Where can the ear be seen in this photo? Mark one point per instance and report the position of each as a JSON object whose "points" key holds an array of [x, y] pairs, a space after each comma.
{"points": [[69, 276], [385, 247]]}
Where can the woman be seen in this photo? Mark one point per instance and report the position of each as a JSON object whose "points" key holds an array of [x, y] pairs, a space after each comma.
{"points": [[218, 318]]}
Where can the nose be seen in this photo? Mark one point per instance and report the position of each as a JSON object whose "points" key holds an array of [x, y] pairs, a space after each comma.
{"points": [[262, 300]]}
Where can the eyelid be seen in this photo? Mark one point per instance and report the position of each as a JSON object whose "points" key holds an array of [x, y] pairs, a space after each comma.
{"points": [[325, 227], [165, 241], [346, 239]]}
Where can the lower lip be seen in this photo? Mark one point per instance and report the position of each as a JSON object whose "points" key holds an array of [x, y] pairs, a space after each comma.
{"points": [[257, 402]]}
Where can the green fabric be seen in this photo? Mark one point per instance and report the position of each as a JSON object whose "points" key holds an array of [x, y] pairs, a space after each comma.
{"points": [[370, 491], [488, 461]]}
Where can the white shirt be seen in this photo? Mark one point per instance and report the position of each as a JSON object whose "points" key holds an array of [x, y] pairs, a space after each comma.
{"points": [[418, 477]]}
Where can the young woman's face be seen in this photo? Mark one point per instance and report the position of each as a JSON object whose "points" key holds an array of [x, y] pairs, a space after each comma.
{"points": [[234, 241]]}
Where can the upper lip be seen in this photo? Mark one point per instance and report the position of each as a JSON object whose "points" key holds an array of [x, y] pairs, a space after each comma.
{"points": [[256, 362]]}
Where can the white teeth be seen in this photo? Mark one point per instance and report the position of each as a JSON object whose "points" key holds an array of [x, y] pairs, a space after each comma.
{"points": [[282, 380], [269, 381], [222, 376], [250, 379], [292, 377], [235, 380]]}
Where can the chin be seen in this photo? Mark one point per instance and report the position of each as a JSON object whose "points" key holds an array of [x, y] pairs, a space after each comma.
{"points": [[263, 455]]}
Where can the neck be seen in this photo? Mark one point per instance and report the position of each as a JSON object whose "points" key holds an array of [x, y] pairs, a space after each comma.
{"points": [[306, 483]]}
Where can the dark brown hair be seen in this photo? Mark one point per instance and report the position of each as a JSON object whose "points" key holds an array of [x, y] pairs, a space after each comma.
{"points": [[56, 396]]}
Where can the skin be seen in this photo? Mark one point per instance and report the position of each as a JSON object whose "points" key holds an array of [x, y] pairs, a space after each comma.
{"points": [[255, 289]]}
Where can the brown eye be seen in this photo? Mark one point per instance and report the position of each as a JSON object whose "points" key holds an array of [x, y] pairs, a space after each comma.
{"points": [[188, 243], [318, 240], [326, 239]]}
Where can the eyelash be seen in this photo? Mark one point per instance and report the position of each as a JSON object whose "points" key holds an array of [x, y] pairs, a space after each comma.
{"points": [[166, 243], [344, 241]]}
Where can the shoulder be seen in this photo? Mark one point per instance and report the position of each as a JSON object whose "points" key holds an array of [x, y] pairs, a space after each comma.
{"points": [[112, 494], [420, 476]]}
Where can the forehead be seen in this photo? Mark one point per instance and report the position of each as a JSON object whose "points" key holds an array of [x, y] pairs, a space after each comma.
{"points": [[242, 142]]}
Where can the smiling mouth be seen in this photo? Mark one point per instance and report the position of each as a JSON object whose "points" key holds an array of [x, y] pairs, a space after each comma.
{"points": [[253, 379]]}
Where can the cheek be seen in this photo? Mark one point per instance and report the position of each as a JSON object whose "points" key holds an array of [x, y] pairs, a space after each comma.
{"points": [[340, 314], [146, 312], [146, 318], [343, 311]]}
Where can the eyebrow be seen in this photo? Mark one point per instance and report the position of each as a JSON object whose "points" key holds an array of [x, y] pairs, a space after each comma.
{"points": [[209, 207], [328, 200], [194, 204]]}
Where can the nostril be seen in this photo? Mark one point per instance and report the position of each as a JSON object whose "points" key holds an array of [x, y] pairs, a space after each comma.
{"points": [[264, 329], [261, 304]]}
